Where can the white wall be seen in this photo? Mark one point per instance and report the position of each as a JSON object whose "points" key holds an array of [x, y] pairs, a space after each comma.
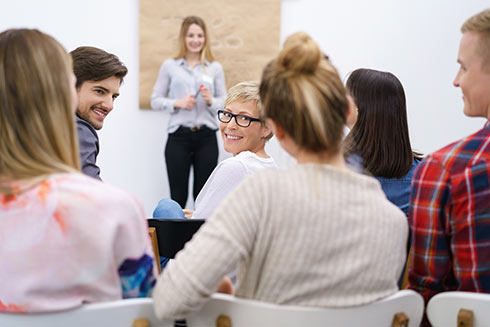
{"points": [[415, 40]]}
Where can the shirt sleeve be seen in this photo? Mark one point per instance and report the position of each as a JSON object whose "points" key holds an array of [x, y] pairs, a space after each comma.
{"points": [[133, 251], [223, 241], [429, 213], [89, 148], [225, 179], [159, 97], [219, 90]]}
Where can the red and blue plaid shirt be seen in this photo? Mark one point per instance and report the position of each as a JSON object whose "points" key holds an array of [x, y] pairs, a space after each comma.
{"points": [[449, 215]]}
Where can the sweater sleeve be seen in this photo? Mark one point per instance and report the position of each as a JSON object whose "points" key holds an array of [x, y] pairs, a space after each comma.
{"points": [[225, 239], [227, 176]]}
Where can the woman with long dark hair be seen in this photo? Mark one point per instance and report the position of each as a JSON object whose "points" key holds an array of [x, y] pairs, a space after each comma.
{"points": [[379, 142]]}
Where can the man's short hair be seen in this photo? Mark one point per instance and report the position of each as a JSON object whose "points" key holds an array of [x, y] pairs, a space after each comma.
{"points": [[480, 24], [94, 64]]}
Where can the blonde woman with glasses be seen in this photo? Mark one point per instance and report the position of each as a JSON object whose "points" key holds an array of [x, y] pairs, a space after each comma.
{"points": [[65, 238], [316, 234], [244, 132]]}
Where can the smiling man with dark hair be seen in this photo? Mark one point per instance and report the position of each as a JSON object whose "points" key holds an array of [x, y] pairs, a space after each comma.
{"points": [[99, 75]]}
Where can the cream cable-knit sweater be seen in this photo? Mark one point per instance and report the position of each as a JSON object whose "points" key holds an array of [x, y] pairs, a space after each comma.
{"points": [[312, 235]]}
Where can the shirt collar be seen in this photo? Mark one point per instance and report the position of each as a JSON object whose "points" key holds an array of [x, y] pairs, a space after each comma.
{"points": [[487, 123], [181, 61]]}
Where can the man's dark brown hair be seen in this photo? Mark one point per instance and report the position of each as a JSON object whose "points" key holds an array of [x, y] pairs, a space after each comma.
{"points": [[93, 64]]}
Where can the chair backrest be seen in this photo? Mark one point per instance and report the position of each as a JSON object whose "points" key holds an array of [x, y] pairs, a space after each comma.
{"points": [[459, 309], [226, 310], [123, 313], [154, 244], [172, 234]]}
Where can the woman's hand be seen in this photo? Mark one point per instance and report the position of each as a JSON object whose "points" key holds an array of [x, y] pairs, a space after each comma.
{"points": [[206, 95], [226, 286], [188, 213], [187, 102]]}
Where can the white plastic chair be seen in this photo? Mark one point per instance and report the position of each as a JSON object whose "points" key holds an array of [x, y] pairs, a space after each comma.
{"points": [[226, 310], [123, 313], [459, 309]]}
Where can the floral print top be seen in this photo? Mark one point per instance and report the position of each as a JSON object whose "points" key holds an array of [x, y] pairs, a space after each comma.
{"points": [[69, 240]]}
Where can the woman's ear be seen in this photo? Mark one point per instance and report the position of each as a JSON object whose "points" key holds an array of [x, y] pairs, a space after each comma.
{"points": [[266, 129], [276, 129], [351, 118], [285, 141]]}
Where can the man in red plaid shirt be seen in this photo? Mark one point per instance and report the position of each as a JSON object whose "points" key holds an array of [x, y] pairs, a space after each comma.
{"points": [[450, 200]]}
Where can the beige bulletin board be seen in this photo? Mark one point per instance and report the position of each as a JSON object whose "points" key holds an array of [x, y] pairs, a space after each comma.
{"points": [[244, 36]]}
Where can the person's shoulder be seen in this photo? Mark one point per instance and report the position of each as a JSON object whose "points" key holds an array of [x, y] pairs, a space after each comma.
{"points": [[255, 162], [459, 154], [275, 175], [171, 62], [83, 186], [249, 155], [84, 127], [215, 65], [86, 201], [357, 179], [231, 164], [244, 155]]}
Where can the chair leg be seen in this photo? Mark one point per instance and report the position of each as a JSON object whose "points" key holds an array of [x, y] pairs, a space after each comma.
{"points": [[154, 243], [400, 319], [223, 321], [141, 322], [465, 318]]}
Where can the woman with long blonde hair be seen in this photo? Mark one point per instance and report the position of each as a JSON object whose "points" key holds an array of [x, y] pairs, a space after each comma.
{"points": [[191, 88], [65, 238]]}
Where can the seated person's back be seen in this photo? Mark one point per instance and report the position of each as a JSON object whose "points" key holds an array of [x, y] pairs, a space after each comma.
{"points": [[66, 239], [310, 235], [69, 240]]}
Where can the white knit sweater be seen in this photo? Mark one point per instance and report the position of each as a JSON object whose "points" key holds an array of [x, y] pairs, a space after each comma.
{"points": [[312, 235]]}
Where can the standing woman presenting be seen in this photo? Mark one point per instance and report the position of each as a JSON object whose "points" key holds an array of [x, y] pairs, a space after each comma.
{"points": [[191, 87]]}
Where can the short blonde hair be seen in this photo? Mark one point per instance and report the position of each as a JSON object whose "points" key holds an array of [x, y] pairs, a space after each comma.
{"points": [[480, 24], [303, 93], [206, 50], [37, 128], [244, 92]]}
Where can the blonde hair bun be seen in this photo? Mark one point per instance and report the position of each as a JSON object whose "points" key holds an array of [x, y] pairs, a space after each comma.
{"points": [[300, 54]]}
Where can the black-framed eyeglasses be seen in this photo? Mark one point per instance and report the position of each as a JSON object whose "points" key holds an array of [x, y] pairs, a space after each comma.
{"points": [[241, 120]]}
